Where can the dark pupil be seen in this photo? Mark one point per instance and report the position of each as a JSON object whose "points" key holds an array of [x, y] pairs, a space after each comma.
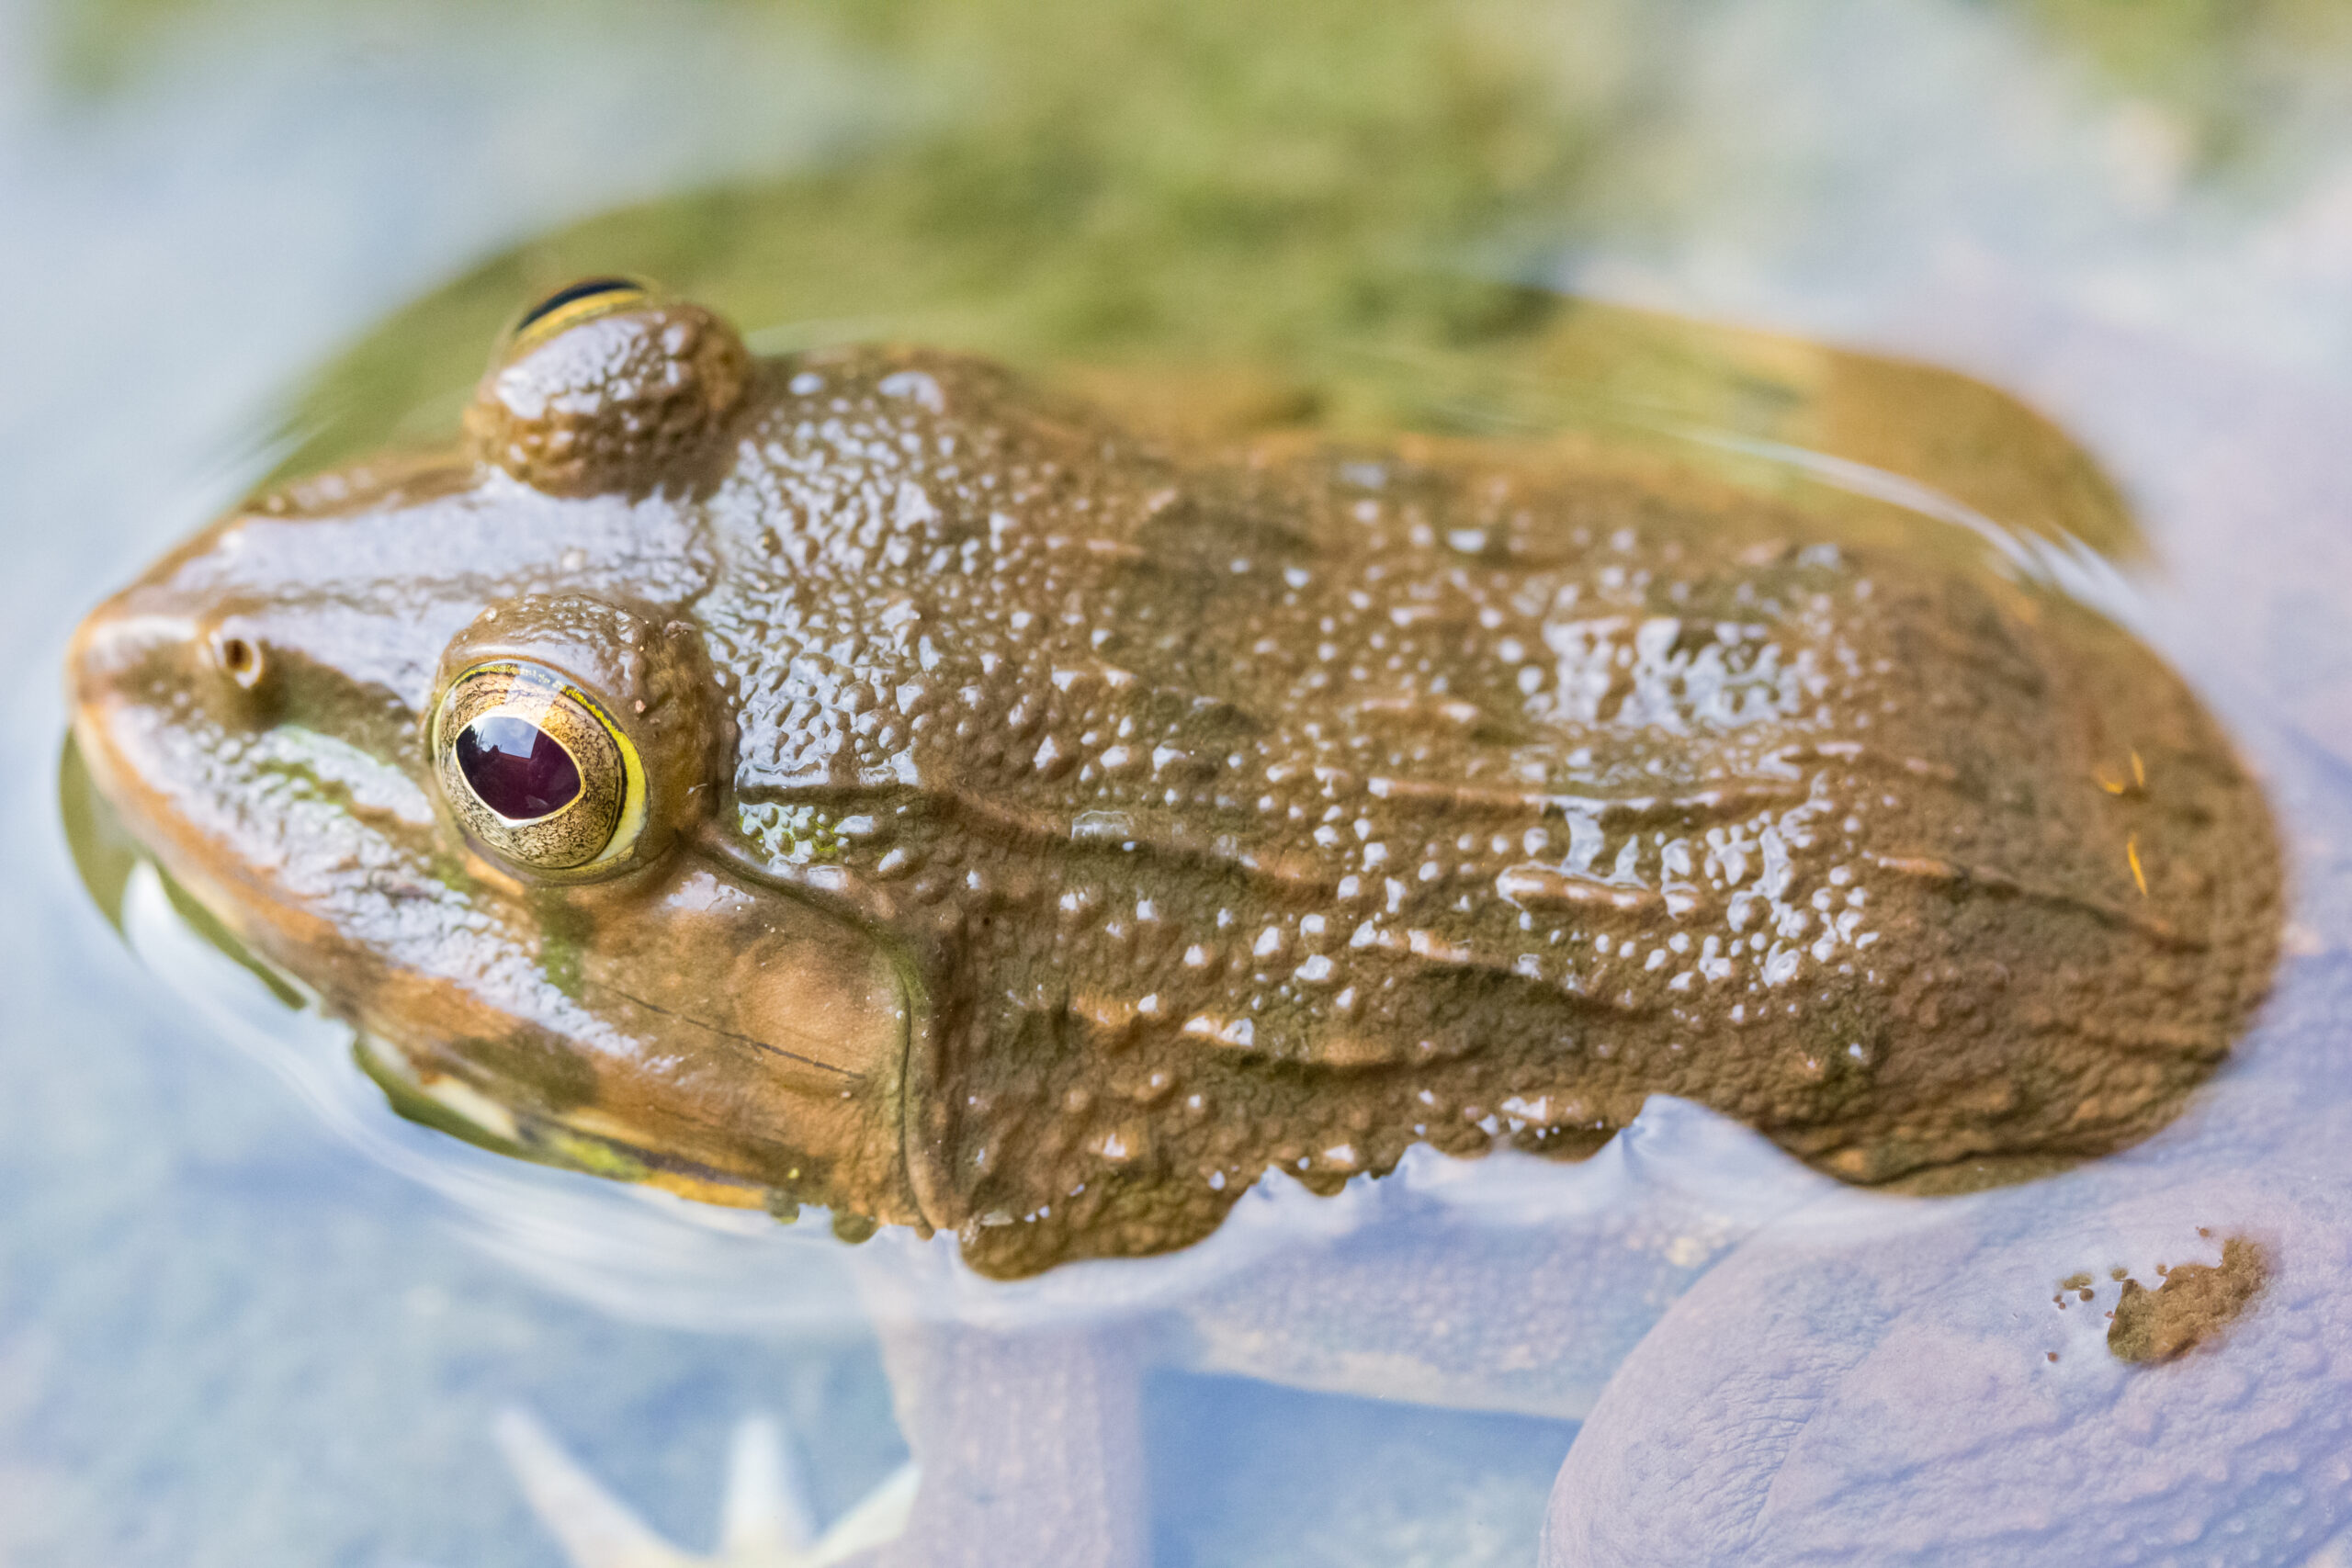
{"points": [[516, 768], [586, 289]]}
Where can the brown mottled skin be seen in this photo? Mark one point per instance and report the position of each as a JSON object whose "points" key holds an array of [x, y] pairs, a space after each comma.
{"points": [[1049, 830]]}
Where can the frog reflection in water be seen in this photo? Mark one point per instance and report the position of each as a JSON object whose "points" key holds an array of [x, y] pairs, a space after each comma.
{"points": [[857, 779]]}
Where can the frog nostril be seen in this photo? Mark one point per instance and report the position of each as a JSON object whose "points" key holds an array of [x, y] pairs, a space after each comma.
{"points": [[239, 657]]}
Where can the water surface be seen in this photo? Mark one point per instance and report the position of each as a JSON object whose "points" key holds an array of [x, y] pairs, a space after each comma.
{"points": [[245, 1315]]}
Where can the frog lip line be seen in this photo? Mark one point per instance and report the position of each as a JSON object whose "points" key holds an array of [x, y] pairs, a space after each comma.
{"points": [[770, 1046]]}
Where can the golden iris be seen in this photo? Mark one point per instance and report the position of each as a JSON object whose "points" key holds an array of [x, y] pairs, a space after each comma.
{"points": [[534, 769]]}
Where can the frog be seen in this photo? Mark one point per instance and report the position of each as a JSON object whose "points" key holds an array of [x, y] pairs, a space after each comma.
{"points": [[850, 779], [860, 779]]}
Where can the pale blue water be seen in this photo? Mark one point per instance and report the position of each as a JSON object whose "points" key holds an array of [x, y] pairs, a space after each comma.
{"points": [[246, 1319]]}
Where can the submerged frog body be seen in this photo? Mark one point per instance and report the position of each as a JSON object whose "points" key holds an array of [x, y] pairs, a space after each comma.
{"points": [[857, 779]]}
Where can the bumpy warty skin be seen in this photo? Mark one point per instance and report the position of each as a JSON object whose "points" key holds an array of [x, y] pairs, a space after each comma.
{"points": [[1092, 824], [1293, 810]]}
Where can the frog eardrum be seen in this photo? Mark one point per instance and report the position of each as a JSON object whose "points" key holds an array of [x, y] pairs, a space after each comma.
{"points": [[534, 769]]}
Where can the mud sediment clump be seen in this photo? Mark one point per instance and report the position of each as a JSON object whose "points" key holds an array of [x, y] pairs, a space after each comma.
{"points": [[2194, 1305]]}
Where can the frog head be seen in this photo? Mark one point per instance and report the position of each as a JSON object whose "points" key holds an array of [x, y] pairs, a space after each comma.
{"points": [[438, 738]]}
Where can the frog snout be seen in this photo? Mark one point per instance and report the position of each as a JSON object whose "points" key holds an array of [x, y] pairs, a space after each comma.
{"points": [[130, 651], [116, 670], [119, 647]]}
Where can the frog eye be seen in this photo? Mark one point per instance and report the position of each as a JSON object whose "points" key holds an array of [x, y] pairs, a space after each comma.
{"points": [[576, 302], [608, 387], [536, 770]]}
